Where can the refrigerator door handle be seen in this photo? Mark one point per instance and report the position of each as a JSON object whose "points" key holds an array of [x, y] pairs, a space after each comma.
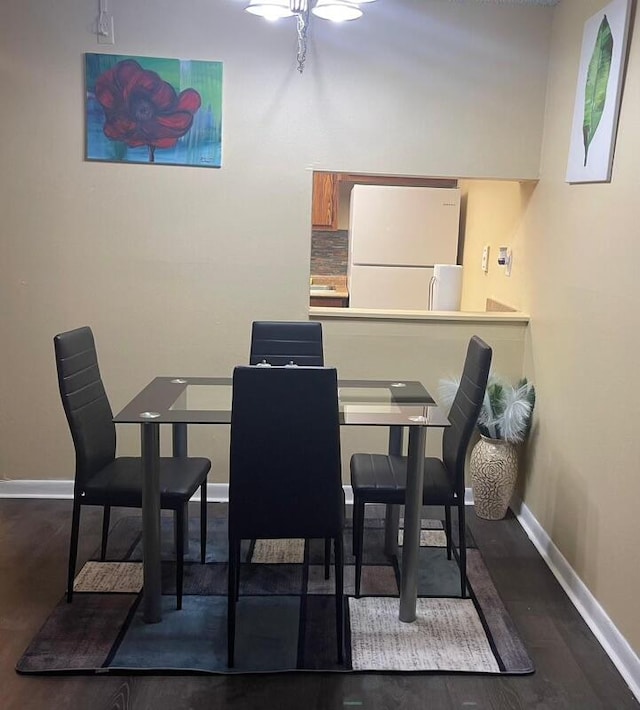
{"points": [[432, 285]]}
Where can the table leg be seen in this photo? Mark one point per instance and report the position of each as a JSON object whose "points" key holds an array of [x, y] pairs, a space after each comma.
{"points": [[392, 512], [412, 521], [179, 436], [152, 591], [179, 431]]}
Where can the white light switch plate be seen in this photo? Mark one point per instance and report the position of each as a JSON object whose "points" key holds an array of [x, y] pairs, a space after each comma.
{"points": [[485, 259], [105, 29]]}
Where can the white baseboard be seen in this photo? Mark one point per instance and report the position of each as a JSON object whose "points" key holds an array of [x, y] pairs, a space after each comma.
{"points": [[616, 646], [52, 490], [614, 643], [61, 490]]}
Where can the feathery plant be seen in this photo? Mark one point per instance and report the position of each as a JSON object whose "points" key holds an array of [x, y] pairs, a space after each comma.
{"points": [[506, 411]]}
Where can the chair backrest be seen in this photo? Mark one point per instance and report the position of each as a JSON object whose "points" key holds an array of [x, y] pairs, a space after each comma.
{"points": [[465, 410], [285, 468], [85, 402], [282, 342]]}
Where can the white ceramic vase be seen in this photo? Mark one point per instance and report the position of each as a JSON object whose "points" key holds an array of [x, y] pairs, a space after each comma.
{"points": [[494, 469]]}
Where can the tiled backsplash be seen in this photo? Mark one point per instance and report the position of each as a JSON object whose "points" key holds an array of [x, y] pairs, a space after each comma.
{"points": [[329, 253]]}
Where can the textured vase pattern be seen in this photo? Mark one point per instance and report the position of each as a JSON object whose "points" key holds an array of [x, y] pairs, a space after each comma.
{"points": [[494, 469]]}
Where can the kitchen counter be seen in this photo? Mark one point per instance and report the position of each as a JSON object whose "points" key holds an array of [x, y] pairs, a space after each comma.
{"points": [[328, 287], [328, 291]]}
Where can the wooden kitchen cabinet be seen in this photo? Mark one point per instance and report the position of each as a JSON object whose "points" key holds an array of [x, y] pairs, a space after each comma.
{"points": [[324, 210]]}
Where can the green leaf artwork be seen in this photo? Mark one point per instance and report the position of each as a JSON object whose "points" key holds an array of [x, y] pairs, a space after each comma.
{"points": [[595, 92]]}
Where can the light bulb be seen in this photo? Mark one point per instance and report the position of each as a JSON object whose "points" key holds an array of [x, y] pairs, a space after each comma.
{"points": [[269, 9], [336, 10]]}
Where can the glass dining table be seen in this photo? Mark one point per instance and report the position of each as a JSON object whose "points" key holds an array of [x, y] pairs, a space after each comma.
{"points": [[180, 401]]}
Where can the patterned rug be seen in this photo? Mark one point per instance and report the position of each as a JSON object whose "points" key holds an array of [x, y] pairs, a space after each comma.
{"points": [[285, 614]]}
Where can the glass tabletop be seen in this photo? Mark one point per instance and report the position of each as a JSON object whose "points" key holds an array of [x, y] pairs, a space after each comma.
{"points": [[207, 400]]}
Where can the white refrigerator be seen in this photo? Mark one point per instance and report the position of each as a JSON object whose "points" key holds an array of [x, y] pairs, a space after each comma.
{"points": [[396, 237]]}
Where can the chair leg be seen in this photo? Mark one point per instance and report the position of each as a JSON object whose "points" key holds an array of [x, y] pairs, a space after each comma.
{"points": [[232, 590], [358, 535], [106, 515], [73, 547], [203, 521], [339, 563], [238, 563], [327, 557], [462, 546], [181, 516], [354, 527], [447, 528]]}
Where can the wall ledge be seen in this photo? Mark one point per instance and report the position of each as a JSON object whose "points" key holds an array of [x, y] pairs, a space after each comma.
{"points": [[429, 316]]}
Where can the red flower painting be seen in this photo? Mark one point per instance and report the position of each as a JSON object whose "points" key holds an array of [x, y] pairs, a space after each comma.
{"points": [[142, 109]]}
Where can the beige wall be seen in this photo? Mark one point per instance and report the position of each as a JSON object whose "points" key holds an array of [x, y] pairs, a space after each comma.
{"points": [[492, 214], [170, 265], [582, 252]]}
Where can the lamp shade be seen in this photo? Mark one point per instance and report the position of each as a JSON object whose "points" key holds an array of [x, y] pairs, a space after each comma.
{"points": [[336, 10], [269, 9]]}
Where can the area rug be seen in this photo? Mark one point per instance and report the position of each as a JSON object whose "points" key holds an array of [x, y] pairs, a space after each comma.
{"points": [[285, 613]]}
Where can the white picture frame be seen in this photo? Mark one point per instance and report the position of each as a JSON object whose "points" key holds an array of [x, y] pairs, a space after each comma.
{"points": [[598, 94]]}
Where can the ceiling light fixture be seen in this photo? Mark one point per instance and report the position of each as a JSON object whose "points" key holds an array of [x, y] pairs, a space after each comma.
{"points": [[334, 10]]}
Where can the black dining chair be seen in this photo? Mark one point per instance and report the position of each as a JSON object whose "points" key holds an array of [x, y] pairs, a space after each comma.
{"points": [[100, 477], [289, 343], [378, 478], [285, 468], [286, 342]]}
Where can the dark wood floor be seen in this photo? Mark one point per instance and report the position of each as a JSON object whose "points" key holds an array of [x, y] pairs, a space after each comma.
{"points": [[572, 669]]}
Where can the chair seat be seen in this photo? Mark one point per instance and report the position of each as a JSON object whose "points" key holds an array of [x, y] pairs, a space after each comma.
{"points": [[119, 483], [383, 479]]}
